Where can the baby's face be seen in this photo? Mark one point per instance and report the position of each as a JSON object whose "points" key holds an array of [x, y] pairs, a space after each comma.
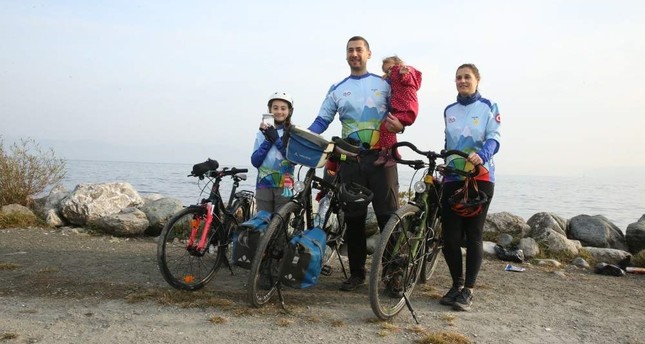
{"points": [[386, 66]]}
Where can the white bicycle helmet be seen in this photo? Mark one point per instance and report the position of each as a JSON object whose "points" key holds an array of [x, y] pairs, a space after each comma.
{"points": [[282, 96]]}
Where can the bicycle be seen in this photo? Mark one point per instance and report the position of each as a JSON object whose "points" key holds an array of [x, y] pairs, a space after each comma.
{"points": [[412, 238], [295, 217], [194, 243]]}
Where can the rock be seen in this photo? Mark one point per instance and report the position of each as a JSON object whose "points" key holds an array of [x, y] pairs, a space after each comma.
{"points": [[548, 262], [489, 247], [557, 243], [539, 222], [508, 223], [48, 207], [596, 231], [17, 209], [607, 255], [505, 240], [89, 202], [635, 235], [159, 212], [529, 246], [129, 222], [581, 263]]}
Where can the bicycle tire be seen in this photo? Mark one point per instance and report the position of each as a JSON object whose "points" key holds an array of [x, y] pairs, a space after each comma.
{"points": [[264, 272], [335, 228], [396, 262], [433, 250], [180, 267]]}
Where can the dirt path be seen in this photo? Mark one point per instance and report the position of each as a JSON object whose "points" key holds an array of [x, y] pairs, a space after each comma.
{"points": [[62, 287]]}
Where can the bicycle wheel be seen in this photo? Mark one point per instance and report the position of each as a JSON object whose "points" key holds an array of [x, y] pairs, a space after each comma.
{"points": [[433, 250], [264, 273], [180, 265], [396, 263]]}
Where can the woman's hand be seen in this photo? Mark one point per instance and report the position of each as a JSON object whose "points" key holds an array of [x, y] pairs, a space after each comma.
{"points": [[475, 159], [263, 126]]}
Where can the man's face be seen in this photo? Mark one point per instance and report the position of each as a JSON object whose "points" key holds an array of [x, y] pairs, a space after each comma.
{"points": [[357, 56]]}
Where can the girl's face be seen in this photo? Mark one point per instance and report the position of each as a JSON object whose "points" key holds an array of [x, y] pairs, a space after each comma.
{"points": [[386, 66], [466, 81], [279, 110]]}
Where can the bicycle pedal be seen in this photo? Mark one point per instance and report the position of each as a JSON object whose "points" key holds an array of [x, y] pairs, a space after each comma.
{"points": [[326, 270]]}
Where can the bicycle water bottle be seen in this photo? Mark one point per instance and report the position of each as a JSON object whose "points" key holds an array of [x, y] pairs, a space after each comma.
{"points": [[323, 205]]}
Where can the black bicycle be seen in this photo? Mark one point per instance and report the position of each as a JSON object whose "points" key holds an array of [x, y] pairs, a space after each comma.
{"points": [[195, 241], [412, 238], [295, 217]]}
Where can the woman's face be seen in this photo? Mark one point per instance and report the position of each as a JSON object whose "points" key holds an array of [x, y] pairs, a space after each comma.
{"points": [[466, 81], [279, 110]]}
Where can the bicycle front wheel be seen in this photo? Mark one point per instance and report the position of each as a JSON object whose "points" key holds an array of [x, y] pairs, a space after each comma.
{"points": [[264, 274], [180, 263], [433, 250], [396, 262]]}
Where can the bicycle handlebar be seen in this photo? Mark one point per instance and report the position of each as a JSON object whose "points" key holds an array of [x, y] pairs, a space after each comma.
{"points": [[221, 173], [432, 156]]}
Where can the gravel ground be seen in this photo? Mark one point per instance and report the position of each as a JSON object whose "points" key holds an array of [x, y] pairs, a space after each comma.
{"points": [[61, 286]]}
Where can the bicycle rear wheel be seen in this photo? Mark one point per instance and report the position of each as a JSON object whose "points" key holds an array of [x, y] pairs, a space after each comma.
{"points": [[433, 250], [180, 265], [269, 255], [396, 262]]}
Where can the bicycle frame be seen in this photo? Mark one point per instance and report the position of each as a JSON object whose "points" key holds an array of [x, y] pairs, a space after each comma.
{"points": [[214, 208]]}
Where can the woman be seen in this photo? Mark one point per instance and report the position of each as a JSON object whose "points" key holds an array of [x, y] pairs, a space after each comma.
{"points": [[274, 181], [472, 126]]}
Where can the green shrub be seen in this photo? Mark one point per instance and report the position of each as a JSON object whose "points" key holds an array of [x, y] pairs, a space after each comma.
{"points": [[18, 220], [27, 170]]}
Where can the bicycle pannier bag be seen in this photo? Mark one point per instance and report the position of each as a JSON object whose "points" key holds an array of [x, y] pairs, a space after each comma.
{"points": [[246, 238], [303, 259], [307, 148]]}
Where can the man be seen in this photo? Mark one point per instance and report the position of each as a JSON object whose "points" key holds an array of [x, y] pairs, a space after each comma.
{"points": [[361, 101]]}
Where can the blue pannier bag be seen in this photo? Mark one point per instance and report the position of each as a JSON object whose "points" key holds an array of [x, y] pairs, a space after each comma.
{"points": [[247, 236], [303, 259]]}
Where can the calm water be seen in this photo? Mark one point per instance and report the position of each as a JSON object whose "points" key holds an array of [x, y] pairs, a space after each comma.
{"points": [[621, 201]]}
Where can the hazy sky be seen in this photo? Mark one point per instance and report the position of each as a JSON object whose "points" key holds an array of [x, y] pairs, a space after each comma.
{"points": [[165, 81]]}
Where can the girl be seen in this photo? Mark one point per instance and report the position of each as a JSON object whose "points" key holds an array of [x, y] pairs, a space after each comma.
{"points": [[274, 181]]}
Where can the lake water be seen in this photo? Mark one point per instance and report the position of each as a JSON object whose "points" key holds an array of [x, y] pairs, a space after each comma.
{"points": [[621, 200]]}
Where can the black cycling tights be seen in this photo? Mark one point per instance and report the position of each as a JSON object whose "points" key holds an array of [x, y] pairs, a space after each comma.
{"points": [[466, 231]]}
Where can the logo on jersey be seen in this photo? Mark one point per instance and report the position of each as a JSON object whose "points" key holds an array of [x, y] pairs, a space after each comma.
{"points": [[498, 118], [451, 119], [347, 93], [475, 120]]}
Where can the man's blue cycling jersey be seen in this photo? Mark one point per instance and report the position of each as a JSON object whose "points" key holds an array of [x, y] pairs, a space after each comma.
{"points": [[361, 102]]}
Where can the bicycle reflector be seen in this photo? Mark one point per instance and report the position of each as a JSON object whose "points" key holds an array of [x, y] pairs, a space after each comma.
{"points": [[466, 202]]}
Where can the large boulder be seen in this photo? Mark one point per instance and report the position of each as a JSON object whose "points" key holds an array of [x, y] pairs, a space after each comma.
{"points": [[539, 222], [159, 212], [89, 202], [607, 255], [635, 236], [596, 231], [128, 222], [505, 222], [557, 244]]}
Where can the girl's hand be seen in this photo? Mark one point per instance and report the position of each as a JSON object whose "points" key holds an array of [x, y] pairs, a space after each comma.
{"points": [[263, 126], [475, 159]]}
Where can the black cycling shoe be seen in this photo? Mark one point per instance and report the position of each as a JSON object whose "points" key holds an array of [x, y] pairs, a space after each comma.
{"points": [[451, 296], [464, 300], [352, 283]]}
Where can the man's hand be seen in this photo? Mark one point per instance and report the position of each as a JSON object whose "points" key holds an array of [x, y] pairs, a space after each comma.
{"points": [[392, 124]]}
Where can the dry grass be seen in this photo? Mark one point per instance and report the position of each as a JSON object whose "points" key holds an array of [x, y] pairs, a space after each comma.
{"points": [[17, 220], [338, 323], [8, 266], [284, 322], [8, 336], [449, 319], [444, 337], [49, 269], [216, 319]]}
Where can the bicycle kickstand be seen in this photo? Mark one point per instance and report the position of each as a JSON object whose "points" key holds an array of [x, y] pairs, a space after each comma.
{"points": [[228, 265], [407, 303], [281, 298]]}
